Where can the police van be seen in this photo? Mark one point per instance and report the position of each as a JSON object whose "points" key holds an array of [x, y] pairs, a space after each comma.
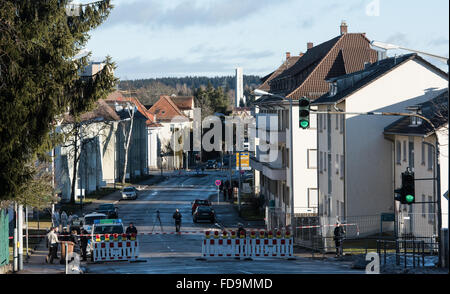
{"points": [[104, 226], [90, 218]]}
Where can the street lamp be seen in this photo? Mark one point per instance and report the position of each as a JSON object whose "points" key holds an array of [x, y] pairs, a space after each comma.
{"points": [[386, 46], [291, 152]]}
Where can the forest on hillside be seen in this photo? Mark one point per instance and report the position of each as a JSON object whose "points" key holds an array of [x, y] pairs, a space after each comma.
{"points": [[149, 90]]}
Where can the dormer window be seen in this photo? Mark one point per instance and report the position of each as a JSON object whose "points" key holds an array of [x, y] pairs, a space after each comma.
{"points": [[415, 121], [333, 89]]}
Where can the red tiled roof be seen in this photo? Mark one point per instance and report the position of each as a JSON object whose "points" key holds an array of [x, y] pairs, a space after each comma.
{"points": [[118, 97], [165, 109], [286, 65], [183, 102], [102, 111], [341, 55]]}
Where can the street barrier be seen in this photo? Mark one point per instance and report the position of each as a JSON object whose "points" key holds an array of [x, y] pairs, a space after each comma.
{"points": [[264, 244], [112, 247]]}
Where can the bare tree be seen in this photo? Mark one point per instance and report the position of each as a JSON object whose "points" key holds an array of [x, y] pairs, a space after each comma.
{"points": [[131, 108]]}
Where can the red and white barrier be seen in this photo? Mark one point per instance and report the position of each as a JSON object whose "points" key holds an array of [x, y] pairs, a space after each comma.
{"points": [[114, 248], [262, 245]]}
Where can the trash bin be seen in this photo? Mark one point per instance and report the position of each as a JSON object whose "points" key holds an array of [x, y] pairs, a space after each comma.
{"points": [[63, 250]]}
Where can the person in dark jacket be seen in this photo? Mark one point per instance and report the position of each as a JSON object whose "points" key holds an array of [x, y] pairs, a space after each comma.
{"points": [[76, 241], [241, 230], [177, 217], [84, 242], [339, 238], [131, 230]]}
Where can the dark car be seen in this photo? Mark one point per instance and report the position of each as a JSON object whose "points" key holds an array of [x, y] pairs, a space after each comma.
{"points": [[199, 202], [109, 209], [204, 213]]}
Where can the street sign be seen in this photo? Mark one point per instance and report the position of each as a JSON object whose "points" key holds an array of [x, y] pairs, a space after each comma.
{"points": [[245, 161], [218, 182]]}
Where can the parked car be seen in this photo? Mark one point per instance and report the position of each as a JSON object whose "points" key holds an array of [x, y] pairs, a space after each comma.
{"points": [[199, 202], [211, 164], [109, 209], [129, 193], [204, 213]]}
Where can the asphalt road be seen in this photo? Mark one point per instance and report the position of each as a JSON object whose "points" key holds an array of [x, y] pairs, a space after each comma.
{"points": [[169, 253]]}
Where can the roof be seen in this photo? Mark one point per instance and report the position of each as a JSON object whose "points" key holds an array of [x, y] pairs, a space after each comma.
{"points": [[183, 102], [436, 110], [341, 55], [165, 109], [288, 63], [120, 99], [357, 80], [102, 112]]}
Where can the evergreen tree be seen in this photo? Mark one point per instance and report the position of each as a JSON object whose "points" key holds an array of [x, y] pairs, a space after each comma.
{"points": [[40, 80]]}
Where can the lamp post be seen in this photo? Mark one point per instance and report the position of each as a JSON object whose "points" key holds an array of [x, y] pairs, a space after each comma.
{"points": [[291, 152], [386, 46]]}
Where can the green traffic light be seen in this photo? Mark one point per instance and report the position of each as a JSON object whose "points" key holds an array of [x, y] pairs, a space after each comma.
{"points": [[304, 124], [409, 198]]}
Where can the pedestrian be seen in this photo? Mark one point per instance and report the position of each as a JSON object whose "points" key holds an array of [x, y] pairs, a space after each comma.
{"points": [[76, 241], [64, 219], [131, 230], [55, 218], [177, 217], [84, 242], [69, 220], [241, 230], [65, 234], [230, 193], [339, 238], [52, 240]]}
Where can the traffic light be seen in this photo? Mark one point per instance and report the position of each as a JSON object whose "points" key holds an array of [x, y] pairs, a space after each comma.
{"points": [[406, 194], [408, 187], [304, 110]]}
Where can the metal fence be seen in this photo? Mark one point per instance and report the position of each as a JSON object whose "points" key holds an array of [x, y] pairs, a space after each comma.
{"points": [[4, 238]]}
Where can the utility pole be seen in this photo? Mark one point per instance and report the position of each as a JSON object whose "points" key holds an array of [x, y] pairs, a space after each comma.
{"points": [[15, 247], [20, 235], [239, 189]]}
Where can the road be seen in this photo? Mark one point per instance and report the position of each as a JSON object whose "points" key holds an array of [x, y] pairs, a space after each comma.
{"points": [[169, 253]]}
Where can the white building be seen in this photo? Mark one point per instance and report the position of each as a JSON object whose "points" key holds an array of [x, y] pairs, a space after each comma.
{"points": [[295, 178], [414, 143], [355, 174]]}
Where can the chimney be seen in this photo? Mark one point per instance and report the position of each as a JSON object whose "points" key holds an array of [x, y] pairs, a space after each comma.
{"points": [[288, 55], [309, 45], [343, 27]]}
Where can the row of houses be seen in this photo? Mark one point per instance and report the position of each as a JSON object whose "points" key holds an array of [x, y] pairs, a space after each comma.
{"points": [[346, 166], [94, 146]]}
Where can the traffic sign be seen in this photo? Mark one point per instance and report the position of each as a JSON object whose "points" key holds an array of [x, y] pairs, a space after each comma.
{"points": [[245, 161], [218, 182]]}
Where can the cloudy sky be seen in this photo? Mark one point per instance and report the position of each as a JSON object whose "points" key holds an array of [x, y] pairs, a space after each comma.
{"points": [[160, 38]]}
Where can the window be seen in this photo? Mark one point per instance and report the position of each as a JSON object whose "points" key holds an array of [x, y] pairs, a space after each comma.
{"points": [[423, 206], [320, 162], [411, 152], [312, 158], [342, 167], [342, 122], [430, 209], [399, 152], [337, 164], [325, 161], [423, 153], [329, 206], [404, 150], [320, 116], [415, 121], [312, 197], [337, 121], [430, 158], [325, 119]]}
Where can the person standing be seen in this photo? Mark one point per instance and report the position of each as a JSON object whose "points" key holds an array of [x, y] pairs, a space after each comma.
{"points": [[84, 242], [64, 219], [131, 230], [55, 219], [177, 217], [53, 241], [339, 238]]}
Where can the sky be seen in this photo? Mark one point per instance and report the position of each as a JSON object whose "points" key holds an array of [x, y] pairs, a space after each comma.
{"points": [[177, 38]]}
